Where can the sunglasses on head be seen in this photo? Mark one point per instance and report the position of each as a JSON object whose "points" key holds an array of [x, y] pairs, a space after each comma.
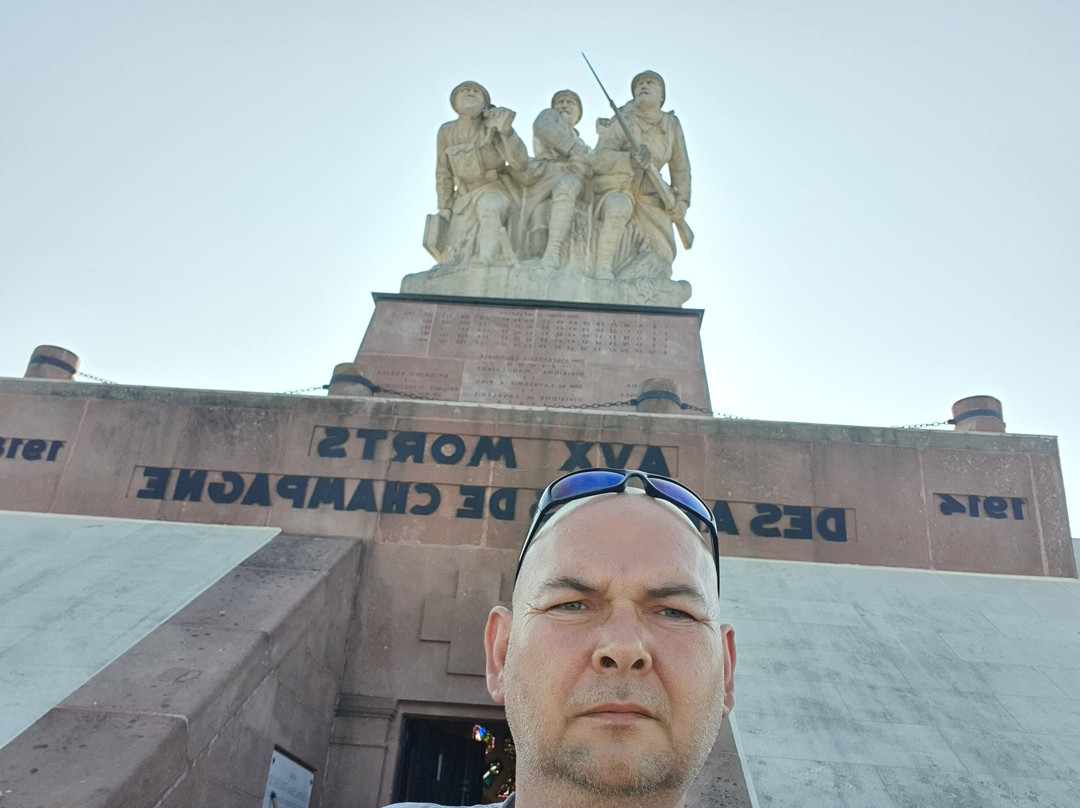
{"points": [[590, 482]]}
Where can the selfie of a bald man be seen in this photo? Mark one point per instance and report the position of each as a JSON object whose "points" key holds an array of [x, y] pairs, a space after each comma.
{"points": [[612, 662]]}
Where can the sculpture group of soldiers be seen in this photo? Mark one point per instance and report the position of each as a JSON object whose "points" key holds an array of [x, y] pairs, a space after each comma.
{"points": [[603, 211]]}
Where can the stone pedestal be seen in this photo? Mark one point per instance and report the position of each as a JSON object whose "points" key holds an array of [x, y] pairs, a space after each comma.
{"points": [[530, 352], [530, 281]]}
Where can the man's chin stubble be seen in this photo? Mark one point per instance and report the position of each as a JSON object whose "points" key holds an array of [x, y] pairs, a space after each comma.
{"points": [[624, 780]]}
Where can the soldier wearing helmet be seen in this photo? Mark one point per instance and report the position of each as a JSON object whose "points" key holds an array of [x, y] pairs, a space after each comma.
{"points": [[474, 155], [635, 232], [558, 173]]}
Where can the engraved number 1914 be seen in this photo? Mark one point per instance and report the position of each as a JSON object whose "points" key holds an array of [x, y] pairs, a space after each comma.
{"points": [[976, 506]]}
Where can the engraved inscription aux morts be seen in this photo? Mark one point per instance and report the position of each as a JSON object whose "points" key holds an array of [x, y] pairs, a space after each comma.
{"points": [[331, 492], [579, 222]]}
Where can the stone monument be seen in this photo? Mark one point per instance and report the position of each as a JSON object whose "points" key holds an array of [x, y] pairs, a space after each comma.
{"points": [[342, 661], [571, 223]]}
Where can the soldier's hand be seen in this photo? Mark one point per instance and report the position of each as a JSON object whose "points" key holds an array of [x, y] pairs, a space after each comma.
{"points": [[640, 156], [445, 213], [579, 150], [501, 119], [582, 166], [679, 211]]}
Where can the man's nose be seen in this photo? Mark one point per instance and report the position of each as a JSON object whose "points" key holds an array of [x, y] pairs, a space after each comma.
{"points": [[621, 646]]}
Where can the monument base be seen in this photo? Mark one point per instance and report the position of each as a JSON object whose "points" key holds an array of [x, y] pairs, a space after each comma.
{"points": [[530, 281], [540, 353]]}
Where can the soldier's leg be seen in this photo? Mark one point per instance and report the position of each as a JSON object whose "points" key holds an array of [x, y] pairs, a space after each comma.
{"points": [[614, 215], [491, 211], [563, 199]]}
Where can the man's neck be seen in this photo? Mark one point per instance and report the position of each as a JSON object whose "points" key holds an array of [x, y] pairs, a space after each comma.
{"points": [[566, 795], [647, 112], [471, 120]]}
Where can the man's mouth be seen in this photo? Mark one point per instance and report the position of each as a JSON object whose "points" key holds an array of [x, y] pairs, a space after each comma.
{"points": [[619, 712]]}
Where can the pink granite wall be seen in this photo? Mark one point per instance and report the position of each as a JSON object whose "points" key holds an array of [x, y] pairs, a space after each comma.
{"points": [[456, 474]]}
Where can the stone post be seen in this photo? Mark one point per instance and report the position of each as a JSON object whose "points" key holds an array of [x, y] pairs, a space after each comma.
{"points": [[347, 381], [51, 362], [977, 414], [659, 395]]}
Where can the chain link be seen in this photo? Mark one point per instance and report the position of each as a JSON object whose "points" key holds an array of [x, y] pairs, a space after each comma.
{"points": [[304, 390], [97, 379], [413, 396], [922, 426], [629, 402]]}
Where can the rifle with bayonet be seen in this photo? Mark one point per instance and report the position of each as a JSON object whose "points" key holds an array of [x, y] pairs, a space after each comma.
{"points": [[663, 190]]}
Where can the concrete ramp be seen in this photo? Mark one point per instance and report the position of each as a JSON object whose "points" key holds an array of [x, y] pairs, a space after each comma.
{"points": [[78, 591], [869, 686]]}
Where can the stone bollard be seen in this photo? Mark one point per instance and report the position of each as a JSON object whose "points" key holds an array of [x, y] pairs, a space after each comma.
{"points": [[347, 381], [659, 395], [977, 414], [51, 362]]}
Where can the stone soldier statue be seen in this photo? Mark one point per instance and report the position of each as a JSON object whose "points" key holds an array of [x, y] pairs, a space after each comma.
{"points": [[476, 152], [635, 235], [559, 170]]}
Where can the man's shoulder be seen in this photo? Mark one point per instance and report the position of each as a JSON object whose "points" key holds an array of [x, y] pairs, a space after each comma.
{"points": [[669, 120]]}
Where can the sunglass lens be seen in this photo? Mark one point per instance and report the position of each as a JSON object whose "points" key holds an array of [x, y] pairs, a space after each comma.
{"points": [[577, 485], [683, 497]]}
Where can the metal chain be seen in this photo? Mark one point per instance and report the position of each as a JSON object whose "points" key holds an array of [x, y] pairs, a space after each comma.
{"points": [[93, 378], [627, 403], [630, 402], [414, 396]]}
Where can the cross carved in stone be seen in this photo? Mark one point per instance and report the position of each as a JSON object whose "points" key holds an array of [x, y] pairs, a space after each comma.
{"points": [[460, 620]]}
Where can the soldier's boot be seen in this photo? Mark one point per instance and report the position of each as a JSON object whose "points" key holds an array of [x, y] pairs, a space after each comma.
{"points": [[607, 243], [562, 213], [616, 213], [489, 210]]}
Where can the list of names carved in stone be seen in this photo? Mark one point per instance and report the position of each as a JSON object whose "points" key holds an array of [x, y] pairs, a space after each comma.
{"points": [[599, 336]]}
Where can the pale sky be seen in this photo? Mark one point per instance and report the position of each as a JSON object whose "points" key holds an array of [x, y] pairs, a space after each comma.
{"points": [[886, 195]]}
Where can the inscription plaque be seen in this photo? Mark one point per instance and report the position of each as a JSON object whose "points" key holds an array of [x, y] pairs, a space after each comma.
{"points": [[535, 355]]}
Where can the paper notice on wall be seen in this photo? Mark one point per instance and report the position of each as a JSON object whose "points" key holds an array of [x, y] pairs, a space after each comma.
{"points": [[288, 784]]}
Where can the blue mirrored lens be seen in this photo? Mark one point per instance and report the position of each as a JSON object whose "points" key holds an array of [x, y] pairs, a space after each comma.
{"points": [[683, 496], [587, 481]]}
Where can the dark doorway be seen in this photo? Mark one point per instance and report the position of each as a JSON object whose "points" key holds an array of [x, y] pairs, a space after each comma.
{"points": [[453, 761]]}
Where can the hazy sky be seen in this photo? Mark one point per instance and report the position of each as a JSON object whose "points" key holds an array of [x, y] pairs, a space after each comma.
{"points": [[886, 194]]}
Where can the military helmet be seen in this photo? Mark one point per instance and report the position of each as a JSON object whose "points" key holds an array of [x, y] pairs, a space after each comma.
{"points": [[577, 100], [477, 85]]}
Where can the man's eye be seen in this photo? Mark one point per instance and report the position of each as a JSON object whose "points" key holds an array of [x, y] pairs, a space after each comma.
{"points": [[676, 614], [571, 606]]}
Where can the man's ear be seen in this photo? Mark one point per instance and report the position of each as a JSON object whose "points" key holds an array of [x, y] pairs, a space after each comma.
{"points": [[496, 640], [729, 668]]}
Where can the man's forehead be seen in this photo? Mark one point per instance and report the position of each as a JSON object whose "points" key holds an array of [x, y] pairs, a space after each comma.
{"points": [[581, 520]]}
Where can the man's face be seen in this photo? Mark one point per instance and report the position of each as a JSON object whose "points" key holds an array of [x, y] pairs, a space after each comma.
{"points": [[568, 109], [615, 668], [648, 90], [468, 100]]}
